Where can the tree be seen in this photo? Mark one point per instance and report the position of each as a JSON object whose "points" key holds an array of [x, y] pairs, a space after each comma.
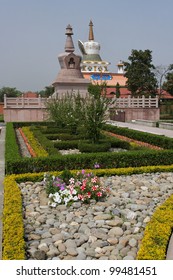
{"points": [[10, 92], [161, 72], [81, 114], [139, 73], [48, 91], [168, 84], [67, 111], [117, 87], [95, 111]]}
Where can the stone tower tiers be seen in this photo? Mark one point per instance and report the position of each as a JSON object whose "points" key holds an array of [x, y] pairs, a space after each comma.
{"points": [[70, 78]]}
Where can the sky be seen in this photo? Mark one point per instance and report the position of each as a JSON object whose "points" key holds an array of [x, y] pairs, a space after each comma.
{"points": [[32, 35]]}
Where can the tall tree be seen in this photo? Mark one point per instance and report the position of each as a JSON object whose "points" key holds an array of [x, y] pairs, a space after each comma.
{"points": [[168, 84], [139, 73], [10, 92]]}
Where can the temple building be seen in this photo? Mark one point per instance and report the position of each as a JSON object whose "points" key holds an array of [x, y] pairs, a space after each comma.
{"points": [[96, 70], [70, 78]]}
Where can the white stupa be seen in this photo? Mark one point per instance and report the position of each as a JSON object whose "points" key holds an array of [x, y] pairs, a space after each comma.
{"points": [[91, 61]]}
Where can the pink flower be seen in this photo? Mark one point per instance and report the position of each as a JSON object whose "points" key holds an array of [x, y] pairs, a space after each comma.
{"points": [[71, 187], [94, 188], [94, 180], [83, 187], [89, 194], [81, 197], [99, 194]]}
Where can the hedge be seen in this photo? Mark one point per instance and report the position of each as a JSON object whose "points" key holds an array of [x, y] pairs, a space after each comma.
{"points": [[158, 140], [12, 151], [81, 161], [157, 233], [13, 246]]}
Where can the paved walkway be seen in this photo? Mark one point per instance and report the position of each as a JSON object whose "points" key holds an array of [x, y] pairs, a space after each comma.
{"points": [[141, 127], [2, 174]]}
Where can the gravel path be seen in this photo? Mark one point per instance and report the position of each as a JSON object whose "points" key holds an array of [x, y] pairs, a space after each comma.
{"points": [[22, 146], [110, 230]]}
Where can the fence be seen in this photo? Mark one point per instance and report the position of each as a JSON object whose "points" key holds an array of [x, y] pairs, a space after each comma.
{"points": [[23, 102], [136, 102]]}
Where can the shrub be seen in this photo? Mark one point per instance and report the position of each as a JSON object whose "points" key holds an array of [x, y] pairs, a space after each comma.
{"points": [[11, 147], [86, 147], [83, 161], [158, 140], [45, 143], [157, 233], [36, 146], [13, 229]]}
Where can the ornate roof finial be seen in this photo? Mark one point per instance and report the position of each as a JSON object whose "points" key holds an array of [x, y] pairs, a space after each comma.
{"points": [[69, 46], [91, 34]]}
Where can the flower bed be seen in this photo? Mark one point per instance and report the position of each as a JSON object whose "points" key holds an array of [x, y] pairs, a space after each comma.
{"points": [[13, 235], [83, 186], [139, 143], [34, 147]]}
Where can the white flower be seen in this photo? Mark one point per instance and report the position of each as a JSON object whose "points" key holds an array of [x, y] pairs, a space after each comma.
{"points": [[53, 204], [74, 192], [66, 200], [71, 180], [51, 195], [75, 198]]}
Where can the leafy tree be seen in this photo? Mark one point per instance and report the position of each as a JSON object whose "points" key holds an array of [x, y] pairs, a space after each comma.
{"points": [[168, 84], [48, 91], [66, 111], [10, 92], [117, 90], [95, 111], [139, 73], [81, 114]]}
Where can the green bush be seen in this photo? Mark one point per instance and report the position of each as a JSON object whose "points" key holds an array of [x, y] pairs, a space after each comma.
{"points": [[12, 151], [64, 136], [45, 143], [86, 147], [158, 140], [81, 161], [65, 145]]}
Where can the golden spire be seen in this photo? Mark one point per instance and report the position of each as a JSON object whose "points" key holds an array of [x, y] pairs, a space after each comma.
{"points": [[91, 34]]}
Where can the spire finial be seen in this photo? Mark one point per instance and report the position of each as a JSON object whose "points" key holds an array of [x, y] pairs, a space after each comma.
{"points": [[69, 46], [91, 34]]}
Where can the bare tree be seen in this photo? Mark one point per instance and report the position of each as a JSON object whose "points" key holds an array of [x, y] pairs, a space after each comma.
{"points": [[160, 72]]}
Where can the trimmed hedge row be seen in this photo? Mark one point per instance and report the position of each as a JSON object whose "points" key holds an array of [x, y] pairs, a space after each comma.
{"points": [[34, 142], [11, 147], [157, 233], [158, 140], [45, 143], [13, 246], [80, 161]]}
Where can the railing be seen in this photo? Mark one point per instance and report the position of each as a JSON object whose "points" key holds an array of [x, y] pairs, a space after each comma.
{"points": [[136, 102], [129, 102], [22, 102]]}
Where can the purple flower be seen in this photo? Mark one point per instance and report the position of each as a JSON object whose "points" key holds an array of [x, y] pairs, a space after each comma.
{"points": [[96, 165]]}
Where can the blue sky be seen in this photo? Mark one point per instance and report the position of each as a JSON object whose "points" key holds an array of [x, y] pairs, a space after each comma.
{"points": [[32, 34]]}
